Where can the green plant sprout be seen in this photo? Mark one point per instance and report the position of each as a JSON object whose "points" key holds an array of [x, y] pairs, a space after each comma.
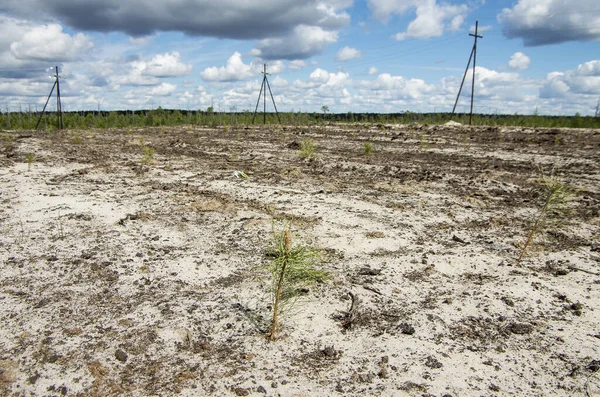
{"points": [[30, 157], [307, 149], [293, 269], [423, 145], [368, 148], [555, 209], [147, 155]]}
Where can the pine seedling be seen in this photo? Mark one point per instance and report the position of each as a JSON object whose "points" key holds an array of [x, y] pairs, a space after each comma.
{"points": [[30, 157], [555, 209], [307, 149], [293, 269], [368, 148], [147, 155]]}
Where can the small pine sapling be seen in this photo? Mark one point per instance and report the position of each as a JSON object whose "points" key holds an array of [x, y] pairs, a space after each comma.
{"points": [[555, 209], [307, 149], [293, 269]]}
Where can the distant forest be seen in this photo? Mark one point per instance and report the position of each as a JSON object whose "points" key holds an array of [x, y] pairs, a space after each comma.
{"points": [[168, 117]]}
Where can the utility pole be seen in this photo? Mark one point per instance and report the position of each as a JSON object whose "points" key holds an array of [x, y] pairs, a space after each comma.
{"points": [[58, 104], [265, 84], [474, 57]]}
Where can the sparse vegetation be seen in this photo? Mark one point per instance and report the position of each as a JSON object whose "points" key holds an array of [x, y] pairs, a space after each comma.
{"points": [[8, 143], [293, 270], [555, 209], [147, 154], [166, 117], [307, 149], [30, 157], [368, 148]]}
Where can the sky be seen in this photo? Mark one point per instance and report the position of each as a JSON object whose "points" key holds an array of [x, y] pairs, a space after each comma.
{"points": [[377, 56]]}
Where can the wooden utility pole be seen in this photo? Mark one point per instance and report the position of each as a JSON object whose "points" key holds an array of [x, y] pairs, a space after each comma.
{"points": [[56, 85], [265, 84], [474, 57]]}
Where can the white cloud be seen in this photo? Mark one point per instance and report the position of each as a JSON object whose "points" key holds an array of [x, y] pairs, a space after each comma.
{"points": [[432, 18], [279, 82], [49, 43], [519, 61], [383, 9], [134, 76], [398, 86], [235, 70], [347, 54], [167, 65], [303, 42], [551, 21], [585, 79], [373, 71], [296, 64], [163, 89]]}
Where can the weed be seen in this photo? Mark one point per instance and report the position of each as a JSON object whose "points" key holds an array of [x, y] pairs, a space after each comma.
{"points": [[555, 209], [307, 149], [30, 157], [77, 139], [293, 269], [559, 140], [368, 148], [423, 145], [147, 155], [8, 143]]}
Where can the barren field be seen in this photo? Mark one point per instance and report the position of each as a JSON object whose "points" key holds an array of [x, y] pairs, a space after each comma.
{"points": [[131, 273]]}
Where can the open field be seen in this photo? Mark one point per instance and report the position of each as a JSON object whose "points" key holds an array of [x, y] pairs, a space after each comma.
{"points": [[132, 262]]}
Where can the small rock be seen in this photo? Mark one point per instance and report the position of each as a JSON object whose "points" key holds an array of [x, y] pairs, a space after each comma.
{"points": [[383, 373], [366, 271], [433, 362], [406, 329], [493, 387], [274, 385], [520, 328], [576, 308], [121, 355], [508, 301], [240, 391], [261, 389], [594, 365]]}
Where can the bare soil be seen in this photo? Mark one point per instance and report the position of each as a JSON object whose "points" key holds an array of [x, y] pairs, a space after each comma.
{"points": [[130, 276]]}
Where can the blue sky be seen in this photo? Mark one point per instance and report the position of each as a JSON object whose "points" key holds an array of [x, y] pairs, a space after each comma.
{"points": [[359, 56]]}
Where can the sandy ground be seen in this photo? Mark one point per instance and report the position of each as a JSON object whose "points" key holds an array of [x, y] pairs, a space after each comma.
{"points": [[128, 277]]}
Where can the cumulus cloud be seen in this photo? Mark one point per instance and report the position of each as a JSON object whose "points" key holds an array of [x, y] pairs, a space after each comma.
{"points": [[142, 72], [296, 64], [373, 71], [551, 21], [347, 54], [49, 43], [432, 18], [223, 19], [304, 42], [398, 86], [163, 89], [167, 65], [585, 79], [519, 61], [235, 70]]}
